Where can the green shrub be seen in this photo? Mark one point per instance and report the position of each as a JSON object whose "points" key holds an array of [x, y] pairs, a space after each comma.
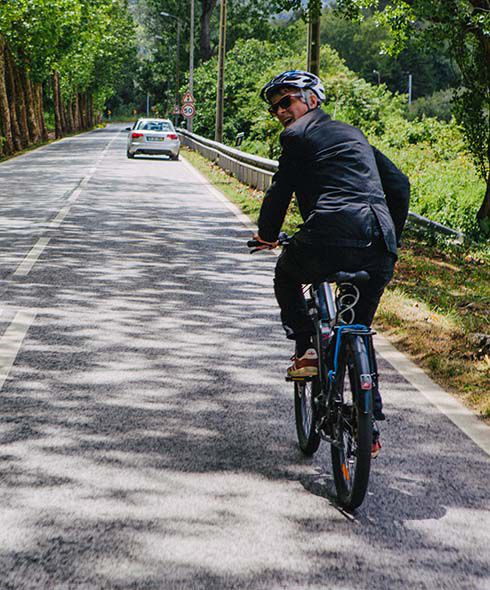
{"points": [[438, 105]]}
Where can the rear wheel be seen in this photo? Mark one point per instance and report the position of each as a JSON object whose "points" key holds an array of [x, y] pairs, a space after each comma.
{"points": [[351, 458], [175, 158], [130, 155], [305, 410]]}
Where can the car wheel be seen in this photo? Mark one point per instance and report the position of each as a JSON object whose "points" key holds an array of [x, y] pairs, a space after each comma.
{"points": [[130, 155], [175, 158]]}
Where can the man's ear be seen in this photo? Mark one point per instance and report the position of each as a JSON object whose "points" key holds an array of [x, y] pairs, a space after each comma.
{"points": [[313, 100]]}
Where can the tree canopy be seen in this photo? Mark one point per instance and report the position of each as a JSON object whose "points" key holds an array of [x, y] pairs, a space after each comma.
{"points": [[462, 28]]}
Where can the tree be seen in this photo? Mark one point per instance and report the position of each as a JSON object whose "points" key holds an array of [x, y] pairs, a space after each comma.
{"points": [[462, 28], [205, 34], [62, 54], [361, 45]]}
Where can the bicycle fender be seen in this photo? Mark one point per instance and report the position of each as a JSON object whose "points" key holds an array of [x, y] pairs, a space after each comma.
{"points": [[363, 369]]}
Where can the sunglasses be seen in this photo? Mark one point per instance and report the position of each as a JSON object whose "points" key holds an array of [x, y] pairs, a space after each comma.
{"points": [[283, 103]]}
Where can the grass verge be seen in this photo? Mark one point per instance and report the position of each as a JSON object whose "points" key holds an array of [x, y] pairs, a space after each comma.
{"points": [[436, 309]]}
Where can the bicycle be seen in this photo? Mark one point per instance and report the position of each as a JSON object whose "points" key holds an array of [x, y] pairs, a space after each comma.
{"points": [[337, 405]]}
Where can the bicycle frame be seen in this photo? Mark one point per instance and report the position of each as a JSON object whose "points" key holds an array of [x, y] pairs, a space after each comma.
{"points": [[332, 337]]}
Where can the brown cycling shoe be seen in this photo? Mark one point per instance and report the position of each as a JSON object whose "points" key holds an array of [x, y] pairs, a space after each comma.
{"points": [[376, 446], [304, 366]]}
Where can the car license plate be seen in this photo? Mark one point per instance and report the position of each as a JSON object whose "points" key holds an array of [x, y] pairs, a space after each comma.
{"points": [[155, 138]]}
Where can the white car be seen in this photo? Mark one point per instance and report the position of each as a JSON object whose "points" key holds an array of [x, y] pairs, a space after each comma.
{"points": [[154, 137]]}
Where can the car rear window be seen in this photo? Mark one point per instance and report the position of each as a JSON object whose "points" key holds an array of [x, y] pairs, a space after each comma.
{"points": [[155, 126]]}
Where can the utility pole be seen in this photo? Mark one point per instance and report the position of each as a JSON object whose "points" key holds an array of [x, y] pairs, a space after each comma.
{"points": [[177, 65], [177, 72], [191, 62], [220, 94], [314, 16]]}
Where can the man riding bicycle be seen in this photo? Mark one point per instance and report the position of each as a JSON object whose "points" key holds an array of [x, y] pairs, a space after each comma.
{"points": [[353, 201]]}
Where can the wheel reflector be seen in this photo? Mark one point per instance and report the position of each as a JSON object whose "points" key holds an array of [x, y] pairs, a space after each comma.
{"points": [[345, 471]]}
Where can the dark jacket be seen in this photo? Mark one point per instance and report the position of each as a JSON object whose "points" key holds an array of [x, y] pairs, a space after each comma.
{"points": [[347, 191]]}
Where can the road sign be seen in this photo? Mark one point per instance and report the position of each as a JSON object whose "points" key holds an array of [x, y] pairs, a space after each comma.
{"points": [[188, 110], [176, 110], [188, 98]]}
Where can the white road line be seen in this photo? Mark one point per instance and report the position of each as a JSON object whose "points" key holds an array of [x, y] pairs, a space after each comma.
{"points": [[75, 194], [25, 266], [11, 342], [56, 222], [29, 261], [463, 418]]}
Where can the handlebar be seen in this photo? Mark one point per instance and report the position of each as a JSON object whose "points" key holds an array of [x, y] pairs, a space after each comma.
{"points": [[253, 243], [283, 240]]}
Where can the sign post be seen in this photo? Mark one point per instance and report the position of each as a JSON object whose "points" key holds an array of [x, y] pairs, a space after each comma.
{"points": [[188, 109]]}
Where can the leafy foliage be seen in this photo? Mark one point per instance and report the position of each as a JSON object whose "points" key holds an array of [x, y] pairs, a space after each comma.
{"points": [[363, 47], [87, 41], [463, 26]]}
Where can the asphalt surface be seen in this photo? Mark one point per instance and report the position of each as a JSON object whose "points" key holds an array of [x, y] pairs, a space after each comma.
{"points": [[146, 431]]}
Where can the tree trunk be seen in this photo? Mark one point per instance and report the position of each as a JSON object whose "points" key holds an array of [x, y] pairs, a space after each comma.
{"points": [[34, 130], [205, 40], [76, 114], [69, 116], [21, 104], [83, 110], [64, 122], [8, 143], [12, 94], [38, 89], [91, 111], [58, 124], [483, 215], [80, 111]]}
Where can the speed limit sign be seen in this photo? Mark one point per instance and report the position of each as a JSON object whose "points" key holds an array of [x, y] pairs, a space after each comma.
{"points": [[188, 110]]}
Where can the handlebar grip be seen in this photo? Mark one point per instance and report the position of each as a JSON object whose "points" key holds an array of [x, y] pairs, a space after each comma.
{"points": [[254, 243]]}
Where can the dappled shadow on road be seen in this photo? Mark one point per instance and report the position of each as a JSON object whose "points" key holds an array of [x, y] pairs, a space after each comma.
{"points": [[147, 436], [34, 186]]}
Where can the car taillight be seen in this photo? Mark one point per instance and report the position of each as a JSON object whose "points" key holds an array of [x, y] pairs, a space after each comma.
{"points": [[135, 135], [172, 136]]}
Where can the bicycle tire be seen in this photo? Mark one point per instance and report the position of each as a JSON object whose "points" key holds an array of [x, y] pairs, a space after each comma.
{"points": [[305, 412], [352, 462]]}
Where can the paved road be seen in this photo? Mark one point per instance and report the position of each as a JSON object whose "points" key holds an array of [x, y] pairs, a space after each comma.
{"points": [[146, 433]]}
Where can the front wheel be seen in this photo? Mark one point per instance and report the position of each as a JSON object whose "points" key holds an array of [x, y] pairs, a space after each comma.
{"points": [[305, 411], [351, 456]]}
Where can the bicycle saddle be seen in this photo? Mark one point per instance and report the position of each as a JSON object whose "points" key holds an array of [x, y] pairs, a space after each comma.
{"points": [[360, 276]]}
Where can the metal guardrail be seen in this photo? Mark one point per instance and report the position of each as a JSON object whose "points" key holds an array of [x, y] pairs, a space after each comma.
{"points": [[252, 170], [257, 172]]}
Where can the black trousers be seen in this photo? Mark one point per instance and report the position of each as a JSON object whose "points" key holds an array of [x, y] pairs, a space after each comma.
{"points": [[308, 259]]}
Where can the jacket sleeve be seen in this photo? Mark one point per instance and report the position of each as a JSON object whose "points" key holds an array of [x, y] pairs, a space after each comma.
{"points": [[396, 187], [278, 195]]}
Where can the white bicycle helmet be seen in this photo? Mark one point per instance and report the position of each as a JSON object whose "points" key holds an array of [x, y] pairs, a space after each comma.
{"points": [[295, 79]]}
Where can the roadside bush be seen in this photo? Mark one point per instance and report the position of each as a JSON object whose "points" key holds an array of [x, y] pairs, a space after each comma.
{"points": [[445, 186], [438, 105]]}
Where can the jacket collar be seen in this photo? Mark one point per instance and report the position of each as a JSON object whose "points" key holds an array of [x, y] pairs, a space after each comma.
{"points": [[310, 117]]}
